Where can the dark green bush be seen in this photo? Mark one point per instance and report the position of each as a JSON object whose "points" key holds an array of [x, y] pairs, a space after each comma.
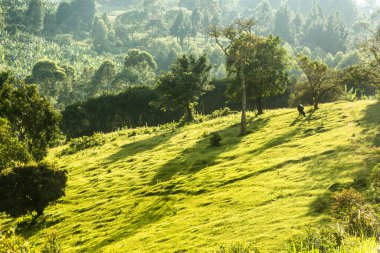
{"points": [[30, 189], [82, 143], [215, 139]]}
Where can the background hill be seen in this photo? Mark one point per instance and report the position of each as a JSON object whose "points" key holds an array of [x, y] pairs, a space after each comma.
{"points": [[167, 190]]}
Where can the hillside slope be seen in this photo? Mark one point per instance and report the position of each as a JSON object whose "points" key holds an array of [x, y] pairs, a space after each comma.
{"points": [[168, 191]]}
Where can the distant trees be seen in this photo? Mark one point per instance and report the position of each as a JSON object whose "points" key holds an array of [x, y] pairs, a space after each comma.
{"points": [[184, 84], [371, 58], [35, 16], [283, 24], [181, 27], [99, 34], [49, 77]]}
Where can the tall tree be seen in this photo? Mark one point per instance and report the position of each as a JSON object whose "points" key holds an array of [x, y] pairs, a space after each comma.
{"points": [[184, 84], [267, 70], [263, 14], [335, 35], [240, 38], [99, 34], [181, 27], [371, 58], [196, 22], [283, 24], [35, 16]]}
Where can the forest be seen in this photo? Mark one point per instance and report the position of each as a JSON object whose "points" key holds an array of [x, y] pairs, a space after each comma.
{"points": [[76, 73]]}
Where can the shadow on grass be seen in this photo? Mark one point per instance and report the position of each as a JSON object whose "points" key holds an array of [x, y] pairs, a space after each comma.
{"points": [[151, 214], [134, 148], [282, 139], [341, 156], [202, 154]]}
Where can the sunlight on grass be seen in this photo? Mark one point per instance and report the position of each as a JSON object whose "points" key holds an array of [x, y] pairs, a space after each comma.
{"points": [[168, 190]]}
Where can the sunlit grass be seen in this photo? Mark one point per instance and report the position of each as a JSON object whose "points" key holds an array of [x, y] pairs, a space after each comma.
{"points": [[169, 191]]}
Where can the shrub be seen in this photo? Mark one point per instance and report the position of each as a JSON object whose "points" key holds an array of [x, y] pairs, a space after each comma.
{"points": [[357, 217], [215, 139], [375, 183], [53, 244], [324, 240], [82, 143], [9, 242], [30, 188], [239, 248]]}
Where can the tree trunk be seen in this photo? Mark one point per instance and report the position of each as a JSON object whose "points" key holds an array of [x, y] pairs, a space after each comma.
{"points": [[315, 103], [189, 114], [181, 41], [259, 105], [243, 124]]}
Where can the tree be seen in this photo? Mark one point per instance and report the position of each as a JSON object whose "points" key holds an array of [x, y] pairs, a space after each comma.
{"points": [[334, 35], [196, 22], [30, 188], [102, 80], [32, 118], [184, 84], [318, 78], [181, 27], [12, 151], [49, 77], [263, 14], [35, 16], [242, 40], [266, 69], [99, 34], [371, 58], [283, 24]]}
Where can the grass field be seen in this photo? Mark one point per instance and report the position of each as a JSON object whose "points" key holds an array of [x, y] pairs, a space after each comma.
{"points": [[168, 190]]}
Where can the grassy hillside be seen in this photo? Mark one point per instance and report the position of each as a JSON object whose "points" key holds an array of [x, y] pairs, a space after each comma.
{"points": [[167, 190]]}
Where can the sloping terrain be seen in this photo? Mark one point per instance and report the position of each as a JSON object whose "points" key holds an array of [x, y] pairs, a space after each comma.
{"points": [[167, 190]]}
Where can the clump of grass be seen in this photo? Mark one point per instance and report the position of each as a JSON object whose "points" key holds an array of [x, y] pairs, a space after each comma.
{"points": [[82, 143], [239, 248], [215, 139]]}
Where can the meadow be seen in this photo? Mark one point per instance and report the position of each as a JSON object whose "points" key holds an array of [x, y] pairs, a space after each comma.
{"points": [[166, 189]]}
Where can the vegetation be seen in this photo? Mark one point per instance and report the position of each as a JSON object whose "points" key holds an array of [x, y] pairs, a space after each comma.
{"points": [[169, 77], [167, 182]]}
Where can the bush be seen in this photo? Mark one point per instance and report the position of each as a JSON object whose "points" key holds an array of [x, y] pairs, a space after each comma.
{"points": [[53, 244], [239, 248], [82, 143], [9, 242], [30, 188], [375, 183], [324, 240], [357, 217], [215, 139]]}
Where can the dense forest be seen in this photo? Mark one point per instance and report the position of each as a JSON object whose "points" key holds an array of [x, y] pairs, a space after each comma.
{"points": [[72, 69]]}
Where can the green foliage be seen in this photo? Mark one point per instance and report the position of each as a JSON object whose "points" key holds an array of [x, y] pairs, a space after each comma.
{"points": [[12, 151], [32, 118], [108, 113], [357, 217], [53, 244], [34, 16], [318, 78], [375, 183], [30, 188], [85, 142], [9, 242], [182, 87], [325, 240], [215, 139], [99, 34]]}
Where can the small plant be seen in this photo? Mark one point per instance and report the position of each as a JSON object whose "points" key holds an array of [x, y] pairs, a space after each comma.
{"points": [[321, 240], [215, 139], [53, 244], [132, 134], [9, 242]]}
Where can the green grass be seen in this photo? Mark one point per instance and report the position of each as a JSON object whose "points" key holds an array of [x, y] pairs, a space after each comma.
{"points": [[170, 191]]}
